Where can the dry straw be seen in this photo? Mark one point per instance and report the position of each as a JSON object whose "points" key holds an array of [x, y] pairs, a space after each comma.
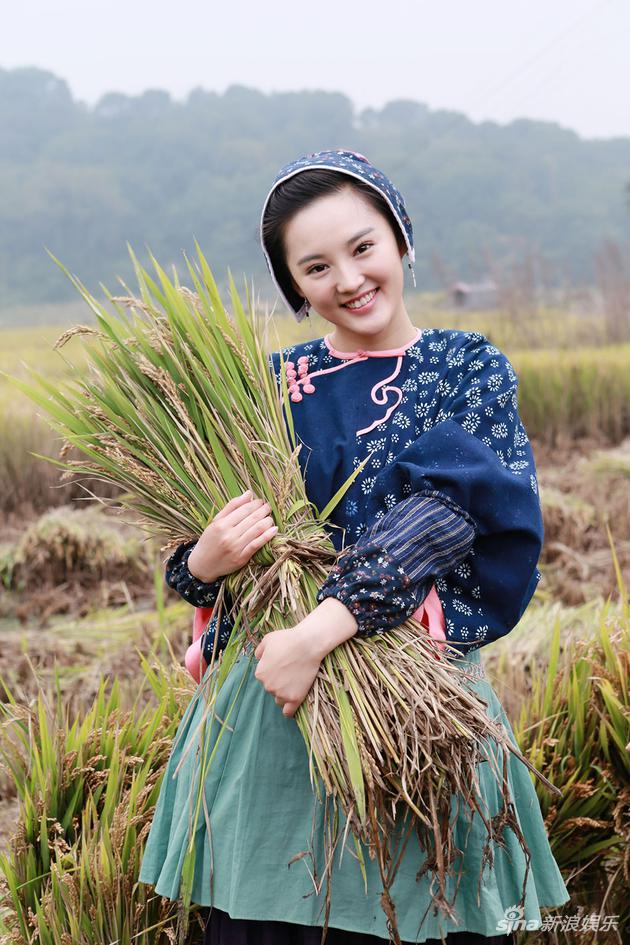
{"points": [[180, 408]]}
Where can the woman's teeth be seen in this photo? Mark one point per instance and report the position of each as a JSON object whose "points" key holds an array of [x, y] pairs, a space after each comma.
{"points": [[362, 301]]}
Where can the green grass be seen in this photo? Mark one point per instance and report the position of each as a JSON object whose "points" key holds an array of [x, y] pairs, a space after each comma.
{"points": [[87, 789]]}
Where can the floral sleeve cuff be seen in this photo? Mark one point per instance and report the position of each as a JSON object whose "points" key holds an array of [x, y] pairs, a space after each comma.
{"points": [[196, 592], [224, 629], [374, 587]]}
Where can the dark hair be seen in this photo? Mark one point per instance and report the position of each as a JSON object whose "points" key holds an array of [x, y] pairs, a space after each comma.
{"points": [[293, 195]]}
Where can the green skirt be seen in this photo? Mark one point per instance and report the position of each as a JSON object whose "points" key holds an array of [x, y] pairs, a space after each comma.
{"points": [[261, 814]]}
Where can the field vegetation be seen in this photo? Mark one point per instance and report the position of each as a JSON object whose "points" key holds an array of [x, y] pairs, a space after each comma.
{"points": [[92, 644]]}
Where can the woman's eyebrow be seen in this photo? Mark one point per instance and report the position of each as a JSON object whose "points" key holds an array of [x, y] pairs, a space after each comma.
{"points": [[351, 240]]}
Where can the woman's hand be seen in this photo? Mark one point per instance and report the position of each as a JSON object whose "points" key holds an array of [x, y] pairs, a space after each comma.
{"points": [[289, 660], [232, 537], [288, 665]]}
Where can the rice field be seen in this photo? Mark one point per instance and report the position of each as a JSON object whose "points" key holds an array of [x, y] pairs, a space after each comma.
{"points": [[91, 649], [566, 392]]}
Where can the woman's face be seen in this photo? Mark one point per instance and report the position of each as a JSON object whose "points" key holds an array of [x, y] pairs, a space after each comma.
{"points": [[340, 249]]}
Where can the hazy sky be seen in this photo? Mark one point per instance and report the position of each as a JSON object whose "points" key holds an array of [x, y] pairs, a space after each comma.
{"points": [[561, 60]]}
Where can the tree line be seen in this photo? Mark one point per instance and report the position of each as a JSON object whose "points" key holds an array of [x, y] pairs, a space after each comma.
{"points": [[154, 172]]}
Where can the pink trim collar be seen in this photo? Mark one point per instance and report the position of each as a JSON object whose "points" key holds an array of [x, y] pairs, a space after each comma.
{"points": [[362, 353]]}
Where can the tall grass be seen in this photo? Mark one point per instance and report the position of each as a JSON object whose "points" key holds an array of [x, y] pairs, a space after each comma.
{"points": [[29, 486], [573, 394], [564, 395], [87, 789], [575, 725]]}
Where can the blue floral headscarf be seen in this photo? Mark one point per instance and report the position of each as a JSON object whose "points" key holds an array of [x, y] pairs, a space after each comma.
{"points": [[355, 165]]}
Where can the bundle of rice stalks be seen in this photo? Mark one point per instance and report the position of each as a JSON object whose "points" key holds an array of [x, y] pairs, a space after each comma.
{"points": [[181, 408]]}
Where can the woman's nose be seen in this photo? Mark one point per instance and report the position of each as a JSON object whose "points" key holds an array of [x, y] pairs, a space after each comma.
{"points": [[349, 280]]}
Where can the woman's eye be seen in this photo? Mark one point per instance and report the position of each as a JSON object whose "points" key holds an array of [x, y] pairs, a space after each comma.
{"points": [[318, 266]]}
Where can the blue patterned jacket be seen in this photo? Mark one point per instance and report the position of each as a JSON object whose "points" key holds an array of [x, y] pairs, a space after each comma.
{"points": [[449, 495]]}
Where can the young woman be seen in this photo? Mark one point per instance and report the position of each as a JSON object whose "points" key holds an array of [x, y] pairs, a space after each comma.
{"points": [[443, 523]]}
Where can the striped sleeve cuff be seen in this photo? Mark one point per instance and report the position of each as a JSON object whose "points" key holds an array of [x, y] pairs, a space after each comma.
{"points": [[196, 592], [428, 534], [385, 576]]}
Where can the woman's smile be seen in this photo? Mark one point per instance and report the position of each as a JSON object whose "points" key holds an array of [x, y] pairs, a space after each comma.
{"points": [[363, 303]]}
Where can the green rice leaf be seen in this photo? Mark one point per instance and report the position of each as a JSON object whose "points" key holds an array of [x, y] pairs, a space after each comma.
{"points": [[351, 749]]}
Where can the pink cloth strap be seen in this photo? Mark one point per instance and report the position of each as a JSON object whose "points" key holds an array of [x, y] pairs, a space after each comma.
{"points": [[431, 615], [193, 660]]}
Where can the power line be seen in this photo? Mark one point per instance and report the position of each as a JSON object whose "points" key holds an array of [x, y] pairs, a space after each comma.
{"points": [[556, 73], [551, 44]]}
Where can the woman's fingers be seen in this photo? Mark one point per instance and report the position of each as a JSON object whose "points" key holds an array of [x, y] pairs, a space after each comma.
{"points": [[251, 519], [256, 543], [288, 708], [235, 503], [255, 528], [244, 526], [240, 519], [236, 512]]}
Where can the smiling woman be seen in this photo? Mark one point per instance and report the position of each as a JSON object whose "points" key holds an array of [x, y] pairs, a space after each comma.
{"points": [[441, 523], [382, 210], [357, 284]]}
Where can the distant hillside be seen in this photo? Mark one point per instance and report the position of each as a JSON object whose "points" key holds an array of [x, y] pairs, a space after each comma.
{"points": [[151, 171]]}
